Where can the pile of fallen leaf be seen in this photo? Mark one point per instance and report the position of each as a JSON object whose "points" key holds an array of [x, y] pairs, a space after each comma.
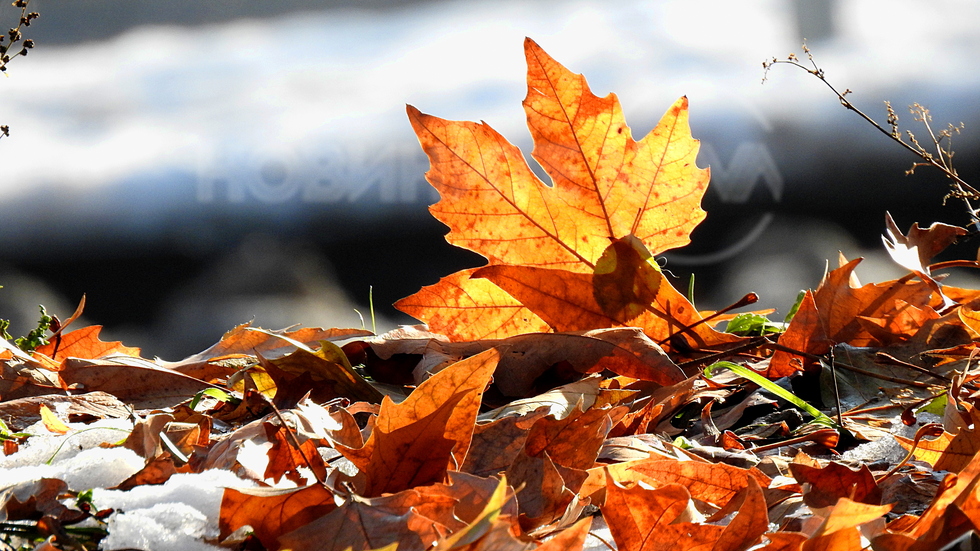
{"points": [[564, 384]]}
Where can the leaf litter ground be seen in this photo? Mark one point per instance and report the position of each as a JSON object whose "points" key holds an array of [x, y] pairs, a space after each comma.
{"points": [[557, 397]]}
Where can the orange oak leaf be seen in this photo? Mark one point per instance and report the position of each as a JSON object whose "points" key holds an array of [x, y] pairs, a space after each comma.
{"points": [[947, 452], [830, 483], [839, 531], [373, 523], [414, 443], [749, 524], [643, 519], [83, 343], [272, 512], [606, 187], [573, 441], [839, 314], [715, 483]]}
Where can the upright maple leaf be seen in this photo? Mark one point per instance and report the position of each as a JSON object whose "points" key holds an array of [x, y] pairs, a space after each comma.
{"points": [[615, 202]]}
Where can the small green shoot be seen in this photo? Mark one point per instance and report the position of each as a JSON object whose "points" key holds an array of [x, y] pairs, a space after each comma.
{"points": [[4, 325], [215, 393], [65, 440], [35, 338], [796, 306], [818, 416], [374, 326], [750, 325], [683, 443], [690, 289], [936, 406], [5, 433]]}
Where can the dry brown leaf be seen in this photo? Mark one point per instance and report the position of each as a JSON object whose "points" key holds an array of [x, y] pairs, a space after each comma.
{"points": [[948, 452], [835, 316], [157, 471], [642, 519], [414, 443], [136, 381], [830, 483], [409, 518], [715, 483], [496, 444], [84, 343], [272, 512]]}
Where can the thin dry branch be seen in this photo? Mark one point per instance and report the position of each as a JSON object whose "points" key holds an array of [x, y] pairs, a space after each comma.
{"points": [[941, 159]]}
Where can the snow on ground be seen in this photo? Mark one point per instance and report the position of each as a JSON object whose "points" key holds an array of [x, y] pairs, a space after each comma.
{"points": [[176, 516]]}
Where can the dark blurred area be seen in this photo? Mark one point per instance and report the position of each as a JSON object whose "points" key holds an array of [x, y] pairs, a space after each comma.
{"points": [[190, 166]]}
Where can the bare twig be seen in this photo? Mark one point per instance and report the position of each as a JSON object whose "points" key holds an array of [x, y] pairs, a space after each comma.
{"points": [[12, 40], [942, 159]]}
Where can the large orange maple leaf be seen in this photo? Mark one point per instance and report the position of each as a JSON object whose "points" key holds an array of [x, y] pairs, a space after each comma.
{"points": [[610, 195]]}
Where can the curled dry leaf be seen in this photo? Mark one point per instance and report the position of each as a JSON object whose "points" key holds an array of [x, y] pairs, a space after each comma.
{"points": [[136, 381], [947, 452], [23, 412], [245, 340], [524, 359], [915, 250]]}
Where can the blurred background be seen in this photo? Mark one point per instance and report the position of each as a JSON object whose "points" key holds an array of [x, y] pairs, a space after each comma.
{"points": [[195, 165]]}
